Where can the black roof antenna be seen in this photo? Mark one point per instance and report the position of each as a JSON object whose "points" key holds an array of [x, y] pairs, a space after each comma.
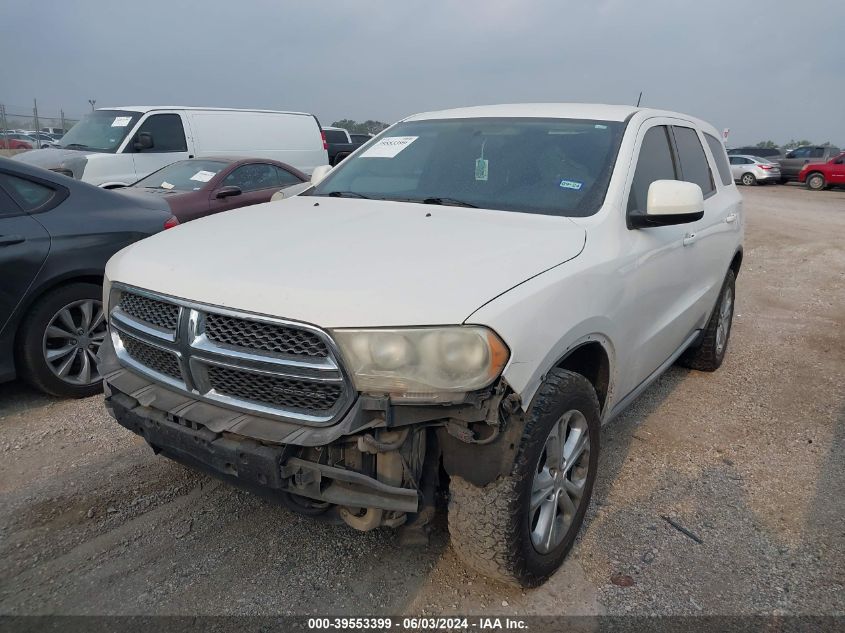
{"points": [[639, 98]]}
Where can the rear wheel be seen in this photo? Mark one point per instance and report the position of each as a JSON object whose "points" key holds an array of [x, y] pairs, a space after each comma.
{"points": [[710, 353], [58, 343], [816, 182], [748, 180], [520, 528]]}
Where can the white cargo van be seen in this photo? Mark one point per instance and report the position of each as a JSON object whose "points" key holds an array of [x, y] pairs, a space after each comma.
{"points": [[114, 147]]}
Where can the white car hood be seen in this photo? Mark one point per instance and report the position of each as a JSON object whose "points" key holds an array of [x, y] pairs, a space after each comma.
{"points": [[350, 262]]}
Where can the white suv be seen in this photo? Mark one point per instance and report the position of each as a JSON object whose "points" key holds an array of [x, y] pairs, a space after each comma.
{"points": [[476, 289]]}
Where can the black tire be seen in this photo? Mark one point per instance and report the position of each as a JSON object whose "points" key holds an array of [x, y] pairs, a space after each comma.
{"points": [[748, 179], [710, 352], [491, 526], [816, 181], [31, 363], [784, 180]]}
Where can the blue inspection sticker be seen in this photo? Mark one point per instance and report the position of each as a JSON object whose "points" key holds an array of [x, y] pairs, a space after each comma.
{"points": [[571, 184]]}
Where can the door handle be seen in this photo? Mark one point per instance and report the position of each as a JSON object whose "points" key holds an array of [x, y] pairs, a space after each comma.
{"points": [[730, 218], [689, 238], [8, 240]]}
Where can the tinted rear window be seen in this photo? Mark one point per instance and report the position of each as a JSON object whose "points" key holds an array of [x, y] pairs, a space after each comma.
{"points": [[694, 166], [335, 136]]}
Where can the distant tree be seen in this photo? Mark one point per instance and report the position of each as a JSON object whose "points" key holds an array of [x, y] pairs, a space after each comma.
{"points": [[766, 145], [367, 127]]}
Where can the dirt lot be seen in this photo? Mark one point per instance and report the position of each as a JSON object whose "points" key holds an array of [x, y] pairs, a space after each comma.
{"points": [[750, 459]]}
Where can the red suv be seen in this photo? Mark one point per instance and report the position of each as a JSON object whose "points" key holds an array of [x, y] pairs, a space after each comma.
{"points": [[819, 176]]}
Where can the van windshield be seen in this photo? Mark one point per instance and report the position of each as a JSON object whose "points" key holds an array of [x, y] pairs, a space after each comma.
{"points": [[100, 131], [545, 166]]}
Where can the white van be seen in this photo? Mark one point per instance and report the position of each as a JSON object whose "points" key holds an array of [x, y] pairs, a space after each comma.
{"points": [[114, 147]]}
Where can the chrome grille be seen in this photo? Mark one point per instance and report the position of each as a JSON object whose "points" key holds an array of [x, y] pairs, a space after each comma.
{"points": [[255, 364], [266, 337], [156, 359], [158, 313], [274, 390]]}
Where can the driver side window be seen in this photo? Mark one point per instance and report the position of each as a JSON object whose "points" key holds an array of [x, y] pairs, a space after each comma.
{"points": [[167, 133], [253, 177]]}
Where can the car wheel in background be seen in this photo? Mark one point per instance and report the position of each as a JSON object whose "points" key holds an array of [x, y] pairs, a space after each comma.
{"points": [[59, 340], [709, 354], [816, 182], [519, 528], [748, 180]]}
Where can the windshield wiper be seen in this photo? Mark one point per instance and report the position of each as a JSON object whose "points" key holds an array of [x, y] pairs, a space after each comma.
{"points": [[74, 146], [347, 194], [449, 202]]}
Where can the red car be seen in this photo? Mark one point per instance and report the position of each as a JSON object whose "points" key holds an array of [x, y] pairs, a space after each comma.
{"points": [[12, 140], [198, 187], [820, 176]]}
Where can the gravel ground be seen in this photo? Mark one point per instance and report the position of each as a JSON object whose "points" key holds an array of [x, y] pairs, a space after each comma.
{"points": [[750, 460]]}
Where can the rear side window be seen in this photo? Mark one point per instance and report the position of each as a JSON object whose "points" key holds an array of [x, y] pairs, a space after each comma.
{"points": [[253, 177], [818, 152], [30, 195], [718, 151], [167, 132], [285, 177], [694, 166], [655, 162], [335, 136]]}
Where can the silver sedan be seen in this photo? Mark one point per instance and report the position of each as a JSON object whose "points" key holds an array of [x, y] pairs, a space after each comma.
{"points": [[749, 170]]}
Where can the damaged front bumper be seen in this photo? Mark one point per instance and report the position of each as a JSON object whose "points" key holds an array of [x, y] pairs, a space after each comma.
{"points": [[254, 465]]}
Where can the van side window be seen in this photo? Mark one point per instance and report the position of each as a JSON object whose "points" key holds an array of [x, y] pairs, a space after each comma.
{"points": [[167, 132], [718, 151], [655, 162], [694, 165]]}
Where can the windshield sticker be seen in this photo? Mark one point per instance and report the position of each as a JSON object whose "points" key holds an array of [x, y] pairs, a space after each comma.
{"points": [[167, 185], [121, 121], [203, 176], [571, 184], [389, 146], [481, 169]]}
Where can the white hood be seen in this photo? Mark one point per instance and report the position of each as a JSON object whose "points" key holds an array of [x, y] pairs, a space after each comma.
{"points": [[349, 262]]}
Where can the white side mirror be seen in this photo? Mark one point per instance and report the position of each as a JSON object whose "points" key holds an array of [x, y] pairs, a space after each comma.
{"points": [[319, 173], [675, 198]]}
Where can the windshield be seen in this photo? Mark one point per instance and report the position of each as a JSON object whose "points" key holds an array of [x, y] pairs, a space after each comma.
{"points": [[545, 166], [185, 175], [101, 130]]}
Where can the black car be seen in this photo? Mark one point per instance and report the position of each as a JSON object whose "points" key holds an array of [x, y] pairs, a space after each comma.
{"points": [[56, 234]]}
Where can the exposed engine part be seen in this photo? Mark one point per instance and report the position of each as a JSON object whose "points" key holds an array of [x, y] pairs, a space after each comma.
{"points": [[389, 470], [368, 444]]}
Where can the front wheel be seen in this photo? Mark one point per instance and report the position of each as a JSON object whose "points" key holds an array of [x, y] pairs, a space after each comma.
{"points": [[58, 343], [520, 528], [815, 182]]}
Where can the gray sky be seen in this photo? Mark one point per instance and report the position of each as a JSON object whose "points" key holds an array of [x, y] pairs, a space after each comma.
{"points": [[763, 68]]}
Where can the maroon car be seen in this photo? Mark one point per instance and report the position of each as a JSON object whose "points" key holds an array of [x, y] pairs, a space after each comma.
{"points": [[201, 186]]}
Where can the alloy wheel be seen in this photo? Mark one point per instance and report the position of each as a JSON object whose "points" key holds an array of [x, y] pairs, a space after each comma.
{"points": [[724, 326], [72, 340], [559, 481]]}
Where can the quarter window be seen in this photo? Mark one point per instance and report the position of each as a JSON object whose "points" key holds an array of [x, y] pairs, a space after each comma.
{"points": [[694, 166], [167, 132], [655, 162], [718, 151], [285, 177], [30, 195]]}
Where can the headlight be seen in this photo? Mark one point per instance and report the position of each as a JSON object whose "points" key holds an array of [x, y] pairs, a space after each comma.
{"points": [[430, 364]]}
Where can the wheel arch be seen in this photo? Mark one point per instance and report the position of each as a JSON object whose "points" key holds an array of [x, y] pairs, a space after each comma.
{"points": [[736, 262], [590, 359]]}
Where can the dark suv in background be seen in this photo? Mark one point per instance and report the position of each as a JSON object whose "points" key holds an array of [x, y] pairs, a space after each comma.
{"points": [[770, 153]]}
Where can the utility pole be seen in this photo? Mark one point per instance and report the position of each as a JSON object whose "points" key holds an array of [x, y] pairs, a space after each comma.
{"points": [[35, 112], [3, 117], [62, 113], [92, 102]]}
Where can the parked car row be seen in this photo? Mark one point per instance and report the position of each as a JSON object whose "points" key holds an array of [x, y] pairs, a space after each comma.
{"points": [[27, 139], [819, 166]]}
